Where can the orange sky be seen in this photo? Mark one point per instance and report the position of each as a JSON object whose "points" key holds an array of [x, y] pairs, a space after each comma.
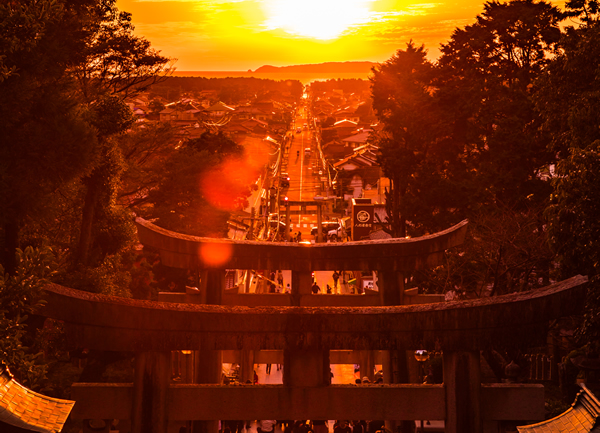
{"points": [[237, 35]]}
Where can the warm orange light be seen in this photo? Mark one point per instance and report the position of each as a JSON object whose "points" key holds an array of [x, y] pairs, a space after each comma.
{"points": [[216, 254], [226, 186], [318, 19]]}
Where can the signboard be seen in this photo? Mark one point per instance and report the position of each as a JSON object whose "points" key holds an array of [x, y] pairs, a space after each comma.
{"points": [[362, 219]]}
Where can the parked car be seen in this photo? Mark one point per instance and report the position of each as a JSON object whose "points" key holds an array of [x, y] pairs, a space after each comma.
{"points": [[327, 227], [335, 230]]}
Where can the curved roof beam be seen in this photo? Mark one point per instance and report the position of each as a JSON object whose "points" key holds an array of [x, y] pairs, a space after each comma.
{"points": [[193, 252], [112, 323]]}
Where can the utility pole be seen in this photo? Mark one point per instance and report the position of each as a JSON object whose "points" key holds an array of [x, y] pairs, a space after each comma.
{"points": [[251, 229]]}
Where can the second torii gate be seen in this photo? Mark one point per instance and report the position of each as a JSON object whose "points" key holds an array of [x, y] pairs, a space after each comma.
{"points": [[306, 334]]}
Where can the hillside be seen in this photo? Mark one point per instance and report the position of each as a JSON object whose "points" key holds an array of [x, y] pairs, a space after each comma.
{"points": [[319, 68]]}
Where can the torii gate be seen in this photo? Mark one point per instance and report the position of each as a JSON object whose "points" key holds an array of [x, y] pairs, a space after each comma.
{"points": [[306, 335]]}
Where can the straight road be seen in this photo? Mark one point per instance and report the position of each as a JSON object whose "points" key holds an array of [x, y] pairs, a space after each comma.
{"points": [[303, 172]]}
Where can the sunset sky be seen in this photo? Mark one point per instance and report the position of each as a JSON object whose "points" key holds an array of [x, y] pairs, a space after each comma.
{"points": [[237, 35]]}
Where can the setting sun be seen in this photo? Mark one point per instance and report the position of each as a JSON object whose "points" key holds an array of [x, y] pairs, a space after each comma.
{"points": [[317, 19], [238, 35]]}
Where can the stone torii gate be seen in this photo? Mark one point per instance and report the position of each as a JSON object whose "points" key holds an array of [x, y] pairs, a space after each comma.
{"points": [[306, 335]]}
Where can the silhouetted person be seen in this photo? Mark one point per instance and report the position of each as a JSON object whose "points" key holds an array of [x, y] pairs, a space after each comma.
{"points": [[375, 425], [335, 277], [359, 426], [315, 288], [342, 427], [320, 426]]}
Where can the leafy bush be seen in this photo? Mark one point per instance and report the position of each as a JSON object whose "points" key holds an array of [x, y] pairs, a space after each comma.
{"points": [[20, 296]]}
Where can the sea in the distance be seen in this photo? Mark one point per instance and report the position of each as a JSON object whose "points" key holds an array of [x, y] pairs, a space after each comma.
{"points": [[303, 77]]}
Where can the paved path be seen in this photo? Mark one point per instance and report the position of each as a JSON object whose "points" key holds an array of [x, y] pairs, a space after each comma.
{"points": [[342, 374]]}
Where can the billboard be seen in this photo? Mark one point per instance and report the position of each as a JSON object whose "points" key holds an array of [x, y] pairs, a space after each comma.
{"points": [[362, 218]]}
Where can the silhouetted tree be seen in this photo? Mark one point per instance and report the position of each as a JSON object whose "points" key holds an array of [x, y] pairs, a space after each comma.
{"points": [[46, 140], [567, 97], [114, 64], [413, 153], [485, 84], [204, 181]]}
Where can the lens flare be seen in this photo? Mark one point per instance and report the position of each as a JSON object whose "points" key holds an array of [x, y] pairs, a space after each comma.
{"points": [[215, 254], [227, 185]]}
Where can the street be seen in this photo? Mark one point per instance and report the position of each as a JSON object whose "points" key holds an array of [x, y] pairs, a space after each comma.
{"points": [[302, 166]]}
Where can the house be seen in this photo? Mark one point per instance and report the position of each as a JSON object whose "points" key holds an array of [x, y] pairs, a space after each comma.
{"points": [[358, 139], [345, 128], [248, 112], [183, 112], [335, 150], [366, 173], [256, 126], [347, 113], [364, 156], [191, 131], [219, 109], [139, 106], [168, 114], [324, 106], [235, 127], [321, 115]]}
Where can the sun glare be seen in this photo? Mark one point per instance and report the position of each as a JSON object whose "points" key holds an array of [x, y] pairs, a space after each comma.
{"points": [[318, 19]]}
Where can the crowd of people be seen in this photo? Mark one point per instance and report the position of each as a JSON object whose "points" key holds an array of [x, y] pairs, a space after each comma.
{"points": [[340, 282], [303, 426]]}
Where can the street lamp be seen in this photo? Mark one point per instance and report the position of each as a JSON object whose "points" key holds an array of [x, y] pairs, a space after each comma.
{"points": [[421, 356], [188, 366]]}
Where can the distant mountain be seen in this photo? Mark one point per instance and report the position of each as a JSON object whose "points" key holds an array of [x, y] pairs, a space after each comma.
{"points": [[320, 68]]}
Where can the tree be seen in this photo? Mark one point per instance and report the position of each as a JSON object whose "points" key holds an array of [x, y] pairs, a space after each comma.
{"points": [[586, 10], [156, 106], [485, 84], [567, 97], [205, 180], [62, 108], [115, 64], [574, 229], [46, 139], [505, 251], [20, 296], [144, 149], [461, 139], [413, 152]]}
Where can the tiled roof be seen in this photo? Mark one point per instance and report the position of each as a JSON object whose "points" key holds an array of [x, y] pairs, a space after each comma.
{"points": [[582, 417], [219, 106], [344, 122], [21, 407], [361, 137]]}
